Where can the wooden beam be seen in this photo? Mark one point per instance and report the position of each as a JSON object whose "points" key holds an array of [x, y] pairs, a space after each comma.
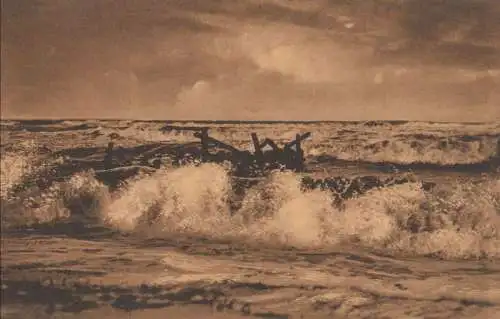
{"points": [[299, 138]]}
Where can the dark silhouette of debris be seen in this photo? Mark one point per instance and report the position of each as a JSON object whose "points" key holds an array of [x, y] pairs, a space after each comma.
{"points": [[127, 302]]}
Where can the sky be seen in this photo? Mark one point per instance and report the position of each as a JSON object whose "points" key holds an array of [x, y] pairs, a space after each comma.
{"points": [[432, 60]]}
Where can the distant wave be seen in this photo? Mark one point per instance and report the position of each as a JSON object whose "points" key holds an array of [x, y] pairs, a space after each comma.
{"points": [[416, 149]]}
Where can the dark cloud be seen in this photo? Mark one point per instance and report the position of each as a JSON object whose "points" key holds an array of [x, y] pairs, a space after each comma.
{"points": [[478, 20], [460, 33], [251, 59]]}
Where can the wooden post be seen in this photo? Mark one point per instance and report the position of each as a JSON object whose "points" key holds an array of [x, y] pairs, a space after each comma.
{"points": [[204, 144], [108, 158], [495, 161], [258, 150], [299, 158], [498, 148]]}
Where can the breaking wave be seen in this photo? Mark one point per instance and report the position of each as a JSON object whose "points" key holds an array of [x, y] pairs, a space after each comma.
{"points": [[454, 221], [19, 163]]}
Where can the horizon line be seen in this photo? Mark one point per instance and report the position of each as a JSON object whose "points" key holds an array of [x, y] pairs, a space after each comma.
{"points": [[401, 121]]}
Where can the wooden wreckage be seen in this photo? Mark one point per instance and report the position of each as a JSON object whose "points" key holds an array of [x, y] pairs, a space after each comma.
{"points": [[249, 168], [246, 163]]}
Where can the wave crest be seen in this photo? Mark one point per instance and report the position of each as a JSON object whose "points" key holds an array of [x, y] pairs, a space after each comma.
{"points": [[457, 221]]}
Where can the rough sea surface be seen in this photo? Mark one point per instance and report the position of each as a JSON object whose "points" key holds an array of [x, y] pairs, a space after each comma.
{"points": [[168, 242]]}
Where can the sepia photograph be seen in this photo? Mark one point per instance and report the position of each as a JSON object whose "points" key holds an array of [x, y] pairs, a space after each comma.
{"points": [[225, 159]]}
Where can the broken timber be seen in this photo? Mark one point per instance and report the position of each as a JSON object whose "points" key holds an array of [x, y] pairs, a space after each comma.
{"points": [[290, 157]]}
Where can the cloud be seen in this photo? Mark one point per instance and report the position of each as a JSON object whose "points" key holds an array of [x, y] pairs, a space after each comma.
{"points": [[247, 60], [304, 55]]}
